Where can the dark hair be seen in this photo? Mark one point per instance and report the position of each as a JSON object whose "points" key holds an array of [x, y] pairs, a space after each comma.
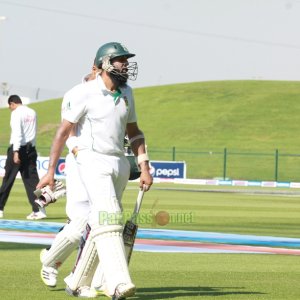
{"points": [[15, 99]]}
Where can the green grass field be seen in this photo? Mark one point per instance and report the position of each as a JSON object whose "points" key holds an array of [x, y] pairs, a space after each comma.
{"points": [[180, 276], [242, 116], [166, 276], [200, 120]]}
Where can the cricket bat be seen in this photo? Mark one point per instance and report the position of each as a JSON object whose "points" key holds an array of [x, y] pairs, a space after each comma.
{"points": [[131, 227]]}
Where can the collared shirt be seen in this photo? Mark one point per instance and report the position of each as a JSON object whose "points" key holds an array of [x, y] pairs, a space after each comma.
{"points": [[63, 109], [23, 123], [64, 104], [101, 116]]}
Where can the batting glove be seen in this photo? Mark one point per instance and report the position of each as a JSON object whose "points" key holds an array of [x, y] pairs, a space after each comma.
{"points": [[45, 195]]}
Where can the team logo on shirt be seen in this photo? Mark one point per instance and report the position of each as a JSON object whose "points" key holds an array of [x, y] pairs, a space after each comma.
{"points": [[66, 107]]}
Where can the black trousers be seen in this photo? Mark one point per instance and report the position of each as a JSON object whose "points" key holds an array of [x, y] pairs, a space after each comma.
{"points": [[28, 171]]}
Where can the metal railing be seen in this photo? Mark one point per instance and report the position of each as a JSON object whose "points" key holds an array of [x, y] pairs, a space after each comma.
{"points": [[234, 164], [226, 163]]}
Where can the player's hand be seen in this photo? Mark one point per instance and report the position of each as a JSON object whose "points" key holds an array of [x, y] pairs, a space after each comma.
{"points": [[146, 180], [45, 195], [16, 158], [47, 179]]}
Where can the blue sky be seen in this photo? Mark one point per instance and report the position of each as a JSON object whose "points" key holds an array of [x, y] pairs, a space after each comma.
{"points": [[47, 46]]}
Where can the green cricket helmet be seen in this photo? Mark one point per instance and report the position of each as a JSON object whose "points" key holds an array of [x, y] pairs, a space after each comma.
{"points": [[107, 52], [112, 50]]}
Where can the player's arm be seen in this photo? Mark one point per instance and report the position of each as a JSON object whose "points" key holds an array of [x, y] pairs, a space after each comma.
{"points": [[16, 133], [58, 144], [72, 141], [137, 141]]}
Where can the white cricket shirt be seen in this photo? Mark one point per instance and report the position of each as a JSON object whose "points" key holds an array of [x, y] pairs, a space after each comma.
{"points": [[101, 117], [23, 123], [64, 107]]}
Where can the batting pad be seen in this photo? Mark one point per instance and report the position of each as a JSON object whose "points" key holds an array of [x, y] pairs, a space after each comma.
{"points": [[85, 267], [64, 243], [98, 281], [110, 248]]}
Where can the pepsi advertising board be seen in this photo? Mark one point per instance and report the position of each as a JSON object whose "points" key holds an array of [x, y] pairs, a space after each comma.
{"points": [[168, 169], [159, 169], [60, 168]]}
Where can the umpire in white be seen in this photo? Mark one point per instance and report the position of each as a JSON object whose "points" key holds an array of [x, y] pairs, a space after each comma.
{"points": [[21, 155]]}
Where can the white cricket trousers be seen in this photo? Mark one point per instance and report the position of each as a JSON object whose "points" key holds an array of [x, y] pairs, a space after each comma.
{"points": [[77, 205], [105, 178]]}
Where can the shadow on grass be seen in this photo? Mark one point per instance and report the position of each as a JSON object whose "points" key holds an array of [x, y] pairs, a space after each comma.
{"points": [[190, 291], [53, 219], [185, 291]]}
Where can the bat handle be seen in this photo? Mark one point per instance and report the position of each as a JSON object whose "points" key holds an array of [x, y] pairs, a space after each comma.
{"points": [[138, 205]]}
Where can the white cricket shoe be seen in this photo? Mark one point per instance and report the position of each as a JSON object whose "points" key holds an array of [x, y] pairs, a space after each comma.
{"points": [[101, 291], [49, 276], [41, 214], [82, 292], [124, 290], [1, 214]]}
